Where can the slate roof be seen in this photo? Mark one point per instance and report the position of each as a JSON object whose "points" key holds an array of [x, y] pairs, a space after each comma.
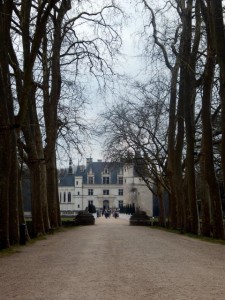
{"points": [[97, 169], [67, 180]]}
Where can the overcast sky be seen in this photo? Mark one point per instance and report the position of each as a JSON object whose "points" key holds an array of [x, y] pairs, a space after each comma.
{"points": [[129, 64]]}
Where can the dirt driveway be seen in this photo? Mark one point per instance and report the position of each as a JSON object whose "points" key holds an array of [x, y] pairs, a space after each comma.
{"points": [[113, 260]]}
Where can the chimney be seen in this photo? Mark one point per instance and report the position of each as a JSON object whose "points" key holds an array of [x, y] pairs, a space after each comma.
{"points": [[70, 170], [88, 161]]}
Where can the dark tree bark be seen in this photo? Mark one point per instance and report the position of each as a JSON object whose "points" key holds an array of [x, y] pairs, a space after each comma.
{"points": [[51, 100], [31, 50], [162, 216], [187, 93], [13, 192], [27, 114], [4, 161], [175, 134], [217, 20], [6, 126], [173, 160], [215, 28], [205, 202], [34, 164]]}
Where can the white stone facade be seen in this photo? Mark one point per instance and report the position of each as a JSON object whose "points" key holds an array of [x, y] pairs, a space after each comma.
{"points": [[121, 186]]}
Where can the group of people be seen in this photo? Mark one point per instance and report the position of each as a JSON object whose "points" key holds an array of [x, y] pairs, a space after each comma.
{"points": [[108, 213]]}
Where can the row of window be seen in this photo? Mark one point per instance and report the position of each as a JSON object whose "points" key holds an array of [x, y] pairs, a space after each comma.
{"points": [[105, 180], [66, 197], [120, 203], [105, 192], [63, 196]]}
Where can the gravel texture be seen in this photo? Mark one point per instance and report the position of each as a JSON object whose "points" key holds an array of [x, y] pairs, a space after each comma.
{"points": [[112, 260]]}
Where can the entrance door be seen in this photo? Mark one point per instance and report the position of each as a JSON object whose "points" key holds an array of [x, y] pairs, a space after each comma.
{"points": [[105, 204]]}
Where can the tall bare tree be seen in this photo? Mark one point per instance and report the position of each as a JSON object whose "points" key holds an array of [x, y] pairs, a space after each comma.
{"points": [[5, 122], [135, 132], [15, 23], [213, 16], [64, 47]]}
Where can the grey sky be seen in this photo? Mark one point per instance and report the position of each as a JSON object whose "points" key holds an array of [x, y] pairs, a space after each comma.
{"points": [[128, 63]]}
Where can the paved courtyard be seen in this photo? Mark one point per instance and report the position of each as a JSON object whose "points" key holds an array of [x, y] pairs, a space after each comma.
{"points": [[113, 260]]}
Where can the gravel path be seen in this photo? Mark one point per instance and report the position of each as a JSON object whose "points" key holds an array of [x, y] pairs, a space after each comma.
{"points": [[113, 260]]}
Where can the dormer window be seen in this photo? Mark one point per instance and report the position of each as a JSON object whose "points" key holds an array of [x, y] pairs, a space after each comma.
{"points": [[90, 171], [105, 179], [90, 179], [106, 171], [120, 171]]}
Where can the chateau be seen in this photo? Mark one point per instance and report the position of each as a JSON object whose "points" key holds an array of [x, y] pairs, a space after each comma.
{"points": [[105, 185]]}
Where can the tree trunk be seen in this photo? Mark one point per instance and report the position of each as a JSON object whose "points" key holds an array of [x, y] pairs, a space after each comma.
{"points": [[205, 206], [178, 172], [20, 200], [33, 148], [51, 101], [13, 194], [44, 195], [187, 93], [20, 205], [42, 168], [37, 215], [4, 178], [5, 125], [162, 217], [216, 14], [216, 19], [171, 147], [52, 192]]}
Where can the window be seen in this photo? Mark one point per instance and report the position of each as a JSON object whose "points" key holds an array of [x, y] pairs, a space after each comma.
{"points": [[90, 192], [106, 171], [90, 202], [76, 182], [120, 180], [105, 192], [69, 197], [120, 203], [78, 206], [120, 192], [78, 193], [64, 197], [90, 180], [105, 180]]}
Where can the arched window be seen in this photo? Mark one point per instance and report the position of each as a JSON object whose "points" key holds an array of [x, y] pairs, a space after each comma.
{"points": [[69, 197], [64, 197]]}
